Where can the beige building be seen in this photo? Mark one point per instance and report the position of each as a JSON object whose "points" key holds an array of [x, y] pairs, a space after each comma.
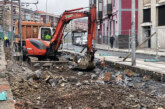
{"points": [[70, 26], [151, 19], [48, 18]]}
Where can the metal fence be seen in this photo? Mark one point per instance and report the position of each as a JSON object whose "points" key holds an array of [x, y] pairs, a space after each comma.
{"points": [[8, 34]]}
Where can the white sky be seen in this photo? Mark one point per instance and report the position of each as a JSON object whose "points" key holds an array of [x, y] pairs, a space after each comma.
{"points": [[58, 6]]}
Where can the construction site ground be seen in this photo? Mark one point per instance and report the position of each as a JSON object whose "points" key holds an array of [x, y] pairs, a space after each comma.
{"points": [[60, 87]]}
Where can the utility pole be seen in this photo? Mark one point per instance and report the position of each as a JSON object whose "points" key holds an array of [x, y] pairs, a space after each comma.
{"points": [[12, 31], [3, 18], [20, 28], [46, 5], [133, 35]]}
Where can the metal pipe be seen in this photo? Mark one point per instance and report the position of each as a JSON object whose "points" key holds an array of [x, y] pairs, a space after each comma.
{"points": [[157, 44], [129, 43], [133, 35]]}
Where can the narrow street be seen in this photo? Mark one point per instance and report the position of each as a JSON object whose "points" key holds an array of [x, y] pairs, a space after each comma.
{"points": [[75, 48]]}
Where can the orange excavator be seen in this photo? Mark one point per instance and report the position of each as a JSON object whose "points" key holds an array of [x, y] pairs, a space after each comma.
{"points": [[41, 49]]}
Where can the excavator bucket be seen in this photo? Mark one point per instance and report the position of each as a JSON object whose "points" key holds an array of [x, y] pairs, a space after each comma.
{"points": [[84, 63]]}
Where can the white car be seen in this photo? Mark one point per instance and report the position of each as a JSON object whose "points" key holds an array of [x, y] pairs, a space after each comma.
{"points": [[78, 41], [83, 41]]}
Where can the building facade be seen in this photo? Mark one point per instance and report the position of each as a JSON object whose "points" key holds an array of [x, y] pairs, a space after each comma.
{"points": [[48, 18], [26, 15], [151, 19], [70, 26], [114, 20], [81, 24]]}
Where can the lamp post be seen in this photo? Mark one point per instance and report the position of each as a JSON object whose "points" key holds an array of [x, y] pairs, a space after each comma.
{"points": [[46, 5]]}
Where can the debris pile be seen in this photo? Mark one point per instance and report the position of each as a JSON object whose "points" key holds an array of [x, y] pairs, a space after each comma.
{"points": [[63, 88]]}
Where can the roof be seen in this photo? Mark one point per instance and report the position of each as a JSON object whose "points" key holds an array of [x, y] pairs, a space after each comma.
{"points": [[45, 13], [40, 12]]}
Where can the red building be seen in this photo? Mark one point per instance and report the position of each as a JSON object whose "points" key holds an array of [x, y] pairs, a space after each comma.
{"points": [[114, 20]]}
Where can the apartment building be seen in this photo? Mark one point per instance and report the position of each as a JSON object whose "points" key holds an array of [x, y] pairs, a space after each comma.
{"points": [[48, 18], [151, 19], [114, 20], [70, 27], [81, 24]]}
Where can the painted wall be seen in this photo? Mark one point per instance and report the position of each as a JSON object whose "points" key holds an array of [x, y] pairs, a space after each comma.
{"points": [[120, 19], [126, 22]]}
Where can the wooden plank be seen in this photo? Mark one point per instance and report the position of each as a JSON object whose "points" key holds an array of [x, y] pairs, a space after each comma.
{"points": [[49, 62], [139, 46]]}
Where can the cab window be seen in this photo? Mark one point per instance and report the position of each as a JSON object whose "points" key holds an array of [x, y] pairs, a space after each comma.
{"points": [[46, 34]]}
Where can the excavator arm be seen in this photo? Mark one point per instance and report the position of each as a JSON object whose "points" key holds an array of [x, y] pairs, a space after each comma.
{"points": [[85, 62], [64, 19], [69, 15]]}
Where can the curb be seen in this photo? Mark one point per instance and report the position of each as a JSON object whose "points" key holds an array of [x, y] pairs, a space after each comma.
{"points": [[4, 84]]}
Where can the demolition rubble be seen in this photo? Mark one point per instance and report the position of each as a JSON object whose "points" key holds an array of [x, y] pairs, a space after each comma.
{"points": [[63, 88]]}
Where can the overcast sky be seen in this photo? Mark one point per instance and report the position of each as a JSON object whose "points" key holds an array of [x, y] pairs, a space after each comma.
{"points": [[59, 6]]}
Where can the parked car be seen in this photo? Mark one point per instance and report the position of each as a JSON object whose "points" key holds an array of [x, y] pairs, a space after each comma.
{"points": [[83, 41]]}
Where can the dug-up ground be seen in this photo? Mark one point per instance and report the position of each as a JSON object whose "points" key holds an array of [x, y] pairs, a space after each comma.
{"points": [[63, 88]]}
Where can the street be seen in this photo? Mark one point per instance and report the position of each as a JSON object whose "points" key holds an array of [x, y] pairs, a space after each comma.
{"points": [[75, 48]]}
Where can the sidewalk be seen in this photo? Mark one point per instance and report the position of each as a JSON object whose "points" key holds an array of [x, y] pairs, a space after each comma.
{"points": [[4, 85], [146, 51]]}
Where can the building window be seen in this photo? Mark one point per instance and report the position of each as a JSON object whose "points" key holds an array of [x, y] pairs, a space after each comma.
{"points": [[105, 8], [161, 15], [100, 9], [147, 15]]}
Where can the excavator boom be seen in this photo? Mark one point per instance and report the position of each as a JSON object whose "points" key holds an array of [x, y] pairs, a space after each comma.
{"points": [[69, 15]]}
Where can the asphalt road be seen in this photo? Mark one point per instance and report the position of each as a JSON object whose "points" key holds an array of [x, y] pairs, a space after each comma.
{"points": [[112, 53]]}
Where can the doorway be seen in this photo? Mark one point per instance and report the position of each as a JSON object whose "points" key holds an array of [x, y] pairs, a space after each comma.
{"points": [[148, 34]]}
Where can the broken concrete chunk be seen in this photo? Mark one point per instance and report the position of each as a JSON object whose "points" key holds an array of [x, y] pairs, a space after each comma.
{"points": [[78, 84], [80, 73], [93, 76], [36, 65], [53, 82], [86, 82], [107, 76], [20, 80], [72, 79], [2, 75], [128, 73]]}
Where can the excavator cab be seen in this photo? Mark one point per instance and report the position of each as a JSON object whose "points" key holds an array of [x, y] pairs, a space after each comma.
{"points": [[44, 33]]}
